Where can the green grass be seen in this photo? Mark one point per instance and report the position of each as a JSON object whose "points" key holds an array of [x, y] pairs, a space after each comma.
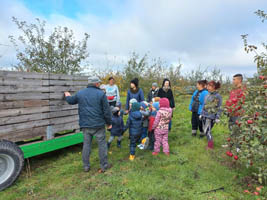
{"points": [[189, 170]]}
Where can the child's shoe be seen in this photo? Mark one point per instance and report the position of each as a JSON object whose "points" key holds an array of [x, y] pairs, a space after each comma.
{"points": [[132, 157], [167, 153], [141, 147], [155, 153], [145, 142]]}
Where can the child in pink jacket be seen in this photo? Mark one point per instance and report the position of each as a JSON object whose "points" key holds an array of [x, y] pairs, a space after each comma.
{"points": [[161, 127]]}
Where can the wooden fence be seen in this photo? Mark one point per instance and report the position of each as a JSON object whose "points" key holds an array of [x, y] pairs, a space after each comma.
{"points": [[32, 104]]}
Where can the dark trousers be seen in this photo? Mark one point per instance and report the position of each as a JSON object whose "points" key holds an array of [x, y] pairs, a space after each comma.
{"points": [[196, 122], [134, 138], [100, 136], [151, 140]]}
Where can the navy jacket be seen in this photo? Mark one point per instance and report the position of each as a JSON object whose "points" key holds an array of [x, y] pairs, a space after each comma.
{"points": [[93, 107], [134, 123], [139, 96], [117, 126]]}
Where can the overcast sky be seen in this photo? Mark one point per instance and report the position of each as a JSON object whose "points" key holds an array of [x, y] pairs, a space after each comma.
{"points": [[198, 33]]}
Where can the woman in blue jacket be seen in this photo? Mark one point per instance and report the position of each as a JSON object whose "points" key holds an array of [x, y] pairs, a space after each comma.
{"points": [[134, 93], [196, 106]]}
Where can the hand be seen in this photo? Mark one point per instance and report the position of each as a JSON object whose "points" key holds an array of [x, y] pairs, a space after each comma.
{"points": [[217, 121], [109, 127], [126, 112], [67, 94]]}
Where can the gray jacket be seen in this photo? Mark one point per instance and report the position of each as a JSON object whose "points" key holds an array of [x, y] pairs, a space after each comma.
{"points": [[212, 106]]}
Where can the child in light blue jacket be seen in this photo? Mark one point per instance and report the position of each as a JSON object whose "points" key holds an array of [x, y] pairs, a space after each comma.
{"points": [[196, 106]]}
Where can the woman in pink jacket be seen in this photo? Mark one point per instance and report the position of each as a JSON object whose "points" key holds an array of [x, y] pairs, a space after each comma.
{"points": [[161, 127]]}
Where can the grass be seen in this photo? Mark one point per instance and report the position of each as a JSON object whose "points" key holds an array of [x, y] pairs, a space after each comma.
{"points": [[189, 170]]}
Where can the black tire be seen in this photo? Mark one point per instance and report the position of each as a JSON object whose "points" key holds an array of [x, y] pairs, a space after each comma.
{"points": [[11, 163]]}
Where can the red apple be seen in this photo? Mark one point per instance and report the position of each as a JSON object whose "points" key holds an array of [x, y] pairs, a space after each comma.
{"points": [[250, 121], [261, 77], [246, 191], [256, 193], [230, 154], [236, 157], [228, 139]]}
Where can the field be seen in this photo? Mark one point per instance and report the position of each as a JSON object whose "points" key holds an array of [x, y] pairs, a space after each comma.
{"points": [[186, 174]]}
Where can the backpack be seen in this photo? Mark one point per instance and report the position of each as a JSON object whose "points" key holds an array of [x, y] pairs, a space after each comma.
{"points": [[196, 102]]}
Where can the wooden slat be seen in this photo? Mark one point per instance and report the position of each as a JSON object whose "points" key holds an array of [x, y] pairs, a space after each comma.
{"points": [[54, 102], [25, 125], [24, 96], [24, 75], [23, 111], [23, 118], [63, 113], [69, 126], [63, 107], [22, 104], [67, 83], [65, 88], [30, 82], [25, 134], [10, 89], [67, 77], [65, 120]]}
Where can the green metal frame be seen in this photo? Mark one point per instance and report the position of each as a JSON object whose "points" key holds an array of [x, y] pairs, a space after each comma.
{"points": [[39, 148]]}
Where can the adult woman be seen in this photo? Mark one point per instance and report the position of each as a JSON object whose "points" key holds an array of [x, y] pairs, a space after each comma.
{"points": [[112, 92], [134, 93], [166, 92]]}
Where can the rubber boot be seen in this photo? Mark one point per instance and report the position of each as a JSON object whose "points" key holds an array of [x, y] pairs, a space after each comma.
{"points": [[210, 144], [119, 144]]}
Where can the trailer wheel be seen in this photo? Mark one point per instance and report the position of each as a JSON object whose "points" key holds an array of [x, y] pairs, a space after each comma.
{"points": [[11, 163]]}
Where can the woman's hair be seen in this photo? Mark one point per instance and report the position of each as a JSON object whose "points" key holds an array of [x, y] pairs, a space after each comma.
{"points": [[110, 78], [165, 81], [216, 85], [203, 83]]}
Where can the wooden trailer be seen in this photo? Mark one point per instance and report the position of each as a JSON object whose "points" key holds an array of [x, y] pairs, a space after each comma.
{"points": [[35, 118]]}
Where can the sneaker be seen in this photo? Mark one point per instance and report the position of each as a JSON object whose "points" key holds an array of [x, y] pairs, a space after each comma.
{"points": [[167, 153], [142, 147], [139, 145], [105, 169], [132, 157], [155, 153], [145, 142]]}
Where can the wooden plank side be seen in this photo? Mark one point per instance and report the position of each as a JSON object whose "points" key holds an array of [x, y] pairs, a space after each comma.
{"points": [[11, 89], [23, 111], [67, 126], [25, 125], [23, 104], [63, 113], [24, 134], [67, 77], [63, 107], [66, 88], [67, 83], [25, 96], [23, 75], [27, 82], [64, 120]]}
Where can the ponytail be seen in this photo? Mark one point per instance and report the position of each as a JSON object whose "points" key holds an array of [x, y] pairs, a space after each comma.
{"points": [[216, 85]]}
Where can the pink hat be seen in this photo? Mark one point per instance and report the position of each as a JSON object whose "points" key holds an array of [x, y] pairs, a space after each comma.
{"points": [[164, 103]]}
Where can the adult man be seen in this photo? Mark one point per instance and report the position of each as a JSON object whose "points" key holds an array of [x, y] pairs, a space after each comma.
{"points": [[94, 113], [235, 101], [153, 92]]}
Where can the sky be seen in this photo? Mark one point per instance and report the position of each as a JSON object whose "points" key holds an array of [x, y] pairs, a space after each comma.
{"points": [[195, 33]]}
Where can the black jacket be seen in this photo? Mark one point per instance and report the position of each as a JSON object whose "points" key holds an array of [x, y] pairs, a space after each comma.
{"points": [[167, 95], [152, 94]]}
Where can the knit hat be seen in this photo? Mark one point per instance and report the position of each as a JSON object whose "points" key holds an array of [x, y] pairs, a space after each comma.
{"points": [[115, 109], [118, 104], [164, 103], [135, 106], [135, 81], [132, 101], [93, 80], [156, 105], [154, 85], [144, 104]]}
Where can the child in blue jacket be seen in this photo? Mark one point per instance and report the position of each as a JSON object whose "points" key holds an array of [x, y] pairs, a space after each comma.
{"points": [[196, 106], [134, 123], [117, 127]]}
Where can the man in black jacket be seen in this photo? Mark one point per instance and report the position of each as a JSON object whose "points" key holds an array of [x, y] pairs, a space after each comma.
{"points": [[94, 114]]}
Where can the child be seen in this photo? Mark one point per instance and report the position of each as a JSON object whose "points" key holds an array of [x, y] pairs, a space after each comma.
{"points": [[196, 106], [145, 113], [161, 127], [153, 112], [211, 111], [117, 127], [122, 112], [134, 123]]}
